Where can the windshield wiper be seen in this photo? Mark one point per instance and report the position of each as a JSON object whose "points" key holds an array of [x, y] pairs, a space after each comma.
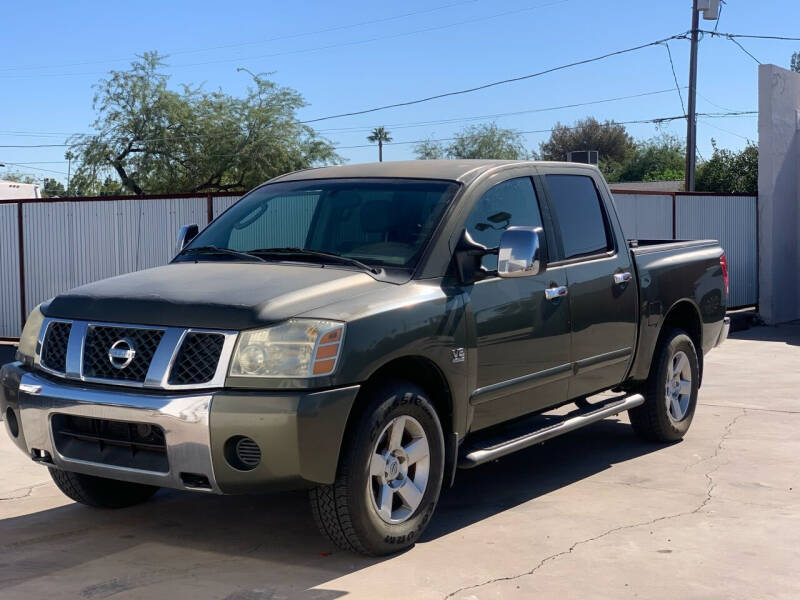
{"points": [[318, 254], [218, 250]]}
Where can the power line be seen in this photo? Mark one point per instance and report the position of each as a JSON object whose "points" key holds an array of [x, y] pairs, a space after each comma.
{"points": [[725, 130], [402, 125], [496, 83], [675, 76], [657, 121], [253, 42], [743, 49], [719, 16], [396, 125], [38, 162], [709, 115], [34, 168], [495, 115], [753, 37], [379, 38]]}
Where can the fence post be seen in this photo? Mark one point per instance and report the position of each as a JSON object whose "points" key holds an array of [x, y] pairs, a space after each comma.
{"points": [[21, 241], [674, 217], [209, 208]]}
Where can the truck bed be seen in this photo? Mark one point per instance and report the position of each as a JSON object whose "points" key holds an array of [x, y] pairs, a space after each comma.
{"points": [[672, 271]]}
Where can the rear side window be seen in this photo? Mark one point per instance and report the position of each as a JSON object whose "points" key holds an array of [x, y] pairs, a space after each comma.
{"points": [[510, 203], [579, 215]]}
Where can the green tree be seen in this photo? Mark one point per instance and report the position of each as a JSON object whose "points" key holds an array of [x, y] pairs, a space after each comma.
{"points": [[18, 177], [52, 188], [661, 158], [795, 63], [610, 139], [729, 172], [477, 141], [430, 150], [380, 135], [157, 140]]}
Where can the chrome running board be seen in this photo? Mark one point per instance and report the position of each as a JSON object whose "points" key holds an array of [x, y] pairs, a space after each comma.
{"points": [[476, 455]]}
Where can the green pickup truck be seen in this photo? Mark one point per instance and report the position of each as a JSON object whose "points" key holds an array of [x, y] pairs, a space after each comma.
{"points": [[364, 331]]}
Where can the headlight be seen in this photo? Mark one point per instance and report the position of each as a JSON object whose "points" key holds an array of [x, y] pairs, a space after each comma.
{"points": [[296, 348], [30, 336]]}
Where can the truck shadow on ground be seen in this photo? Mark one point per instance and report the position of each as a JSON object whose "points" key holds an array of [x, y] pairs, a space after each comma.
{"points": [[788, 333], [269, 543]]}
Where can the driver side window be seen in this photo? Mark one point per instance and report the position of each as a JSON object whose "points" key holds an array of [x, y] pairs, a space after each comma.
{"points": [[283, 220], [511, 202]]}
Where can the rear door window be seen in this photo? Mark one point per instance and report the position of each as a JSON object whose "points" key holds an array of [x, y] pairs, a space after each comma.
{"points": [[579, 215]]}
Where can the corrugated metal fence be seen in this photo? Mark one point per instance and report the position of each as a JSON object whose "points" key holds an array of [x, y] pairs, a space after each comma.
{"points": [[731, 219], [67, 243]]}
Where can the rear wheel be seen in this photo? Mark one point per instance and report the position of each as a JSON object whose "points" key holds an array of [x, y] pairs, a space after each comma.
{"points": [[390, 475], [670, 391], [100, 492]]}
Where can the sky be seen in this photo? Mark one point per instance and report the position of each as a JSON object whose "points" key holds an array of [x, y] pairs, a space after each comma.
{"points": [[352, 55]]}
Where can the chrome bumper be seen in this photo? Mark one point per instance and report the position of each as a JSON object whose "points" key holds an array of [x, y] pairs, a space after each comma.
{"points": [[183, 417], [723, 334]]}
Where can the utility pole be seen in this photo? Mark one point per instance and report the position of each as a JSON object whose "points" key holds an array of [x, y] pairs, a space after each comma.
{"points": [[691, 117], [69, 156], [710, 10]]}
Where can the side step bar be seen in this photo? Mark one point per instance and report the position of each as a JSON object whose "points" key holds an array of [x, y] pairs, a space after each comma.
{"points": [[477, 456]]}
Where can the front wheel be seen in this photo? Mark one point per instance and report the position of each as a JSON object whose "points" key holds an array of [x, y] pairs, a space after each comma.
{"points": [[670, 391], [390, 475]]}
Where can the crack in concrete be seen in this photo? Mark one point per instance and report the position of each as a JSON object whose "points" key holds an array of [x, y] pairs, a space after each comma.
{"points": [[27, 491], [708, 496], [758, 409]]}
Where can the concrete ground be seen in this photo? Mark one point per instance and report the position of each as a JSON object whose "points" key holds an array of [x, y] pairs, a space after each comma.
{"points": [[595, 514]]}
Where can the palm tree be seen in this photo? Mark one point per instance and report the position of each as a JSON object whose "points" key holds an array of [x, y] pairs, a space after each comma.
{"points": [[380, 135]]}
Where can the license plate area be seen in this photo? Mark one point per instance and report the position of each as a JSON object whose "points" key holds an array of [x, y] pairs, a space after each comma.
{"points": [[130, 445]]}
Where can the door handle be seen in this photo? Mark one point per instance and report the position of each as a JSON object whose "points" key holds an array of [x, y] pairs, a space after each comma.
{"points": [[554, 293], [620, 278]]}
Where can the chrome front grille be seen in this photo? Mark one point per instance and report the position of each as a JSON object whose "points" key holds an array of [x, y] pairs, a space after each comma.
{"points": [[135, 355], [197, 358], [100, 339], [54, 350]]}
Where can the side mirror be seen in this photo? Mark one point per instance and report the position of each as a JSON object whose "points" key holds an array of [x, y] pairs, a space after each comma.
{"points": [[185, 235], [521, 253]]}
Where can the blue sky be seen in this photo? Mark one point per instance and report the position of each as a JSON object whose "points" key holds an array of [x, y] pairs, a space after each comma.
{"points": [[52, 52]]}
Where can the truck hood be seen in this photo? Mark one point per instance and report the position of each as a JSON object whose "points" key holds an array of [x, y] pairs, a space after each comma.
{"points": [[211, 295]]}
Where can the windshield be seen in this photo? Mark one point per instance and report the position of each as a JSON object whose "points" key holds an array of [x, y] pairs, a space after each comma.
{"points": [[384, 222]]}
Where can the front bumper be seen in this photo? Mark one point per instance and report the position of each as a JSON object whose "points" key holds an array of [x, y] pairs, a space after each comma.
{"points": [[299, 433]]}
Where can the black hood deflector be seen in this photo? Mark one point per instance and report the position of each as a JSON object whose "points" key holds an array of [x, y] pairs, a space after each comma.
{"points": [[213, 295]]}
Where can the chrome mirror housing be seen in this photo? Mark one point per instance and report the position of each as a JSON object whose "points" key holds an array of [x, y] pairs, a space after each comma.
{"points": [[185, 235], [520, 253]]}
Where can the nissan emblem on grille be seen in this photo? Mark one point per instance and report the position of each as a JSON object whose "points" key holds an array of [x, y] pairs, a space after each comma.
{"points": [[121, 353]]}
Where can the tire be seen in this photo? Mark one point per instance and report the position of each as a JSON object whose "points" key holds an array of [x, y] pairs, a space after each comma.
{"points": [[100, 492], [357, 512], [670, 400]]}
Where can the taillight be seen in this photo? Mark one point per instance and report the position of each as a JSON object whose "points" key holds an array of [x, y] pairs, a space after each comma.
{"points": [[723, 263]]}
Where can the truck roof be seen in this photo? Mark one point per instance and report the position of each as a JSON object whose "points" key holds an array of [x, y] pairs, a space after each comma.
{"points": [[455, 170]]}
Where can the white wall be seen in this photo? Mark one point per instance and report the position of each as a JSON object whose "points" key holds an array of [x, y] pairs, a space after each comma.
{"points": [[778, 193]]}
